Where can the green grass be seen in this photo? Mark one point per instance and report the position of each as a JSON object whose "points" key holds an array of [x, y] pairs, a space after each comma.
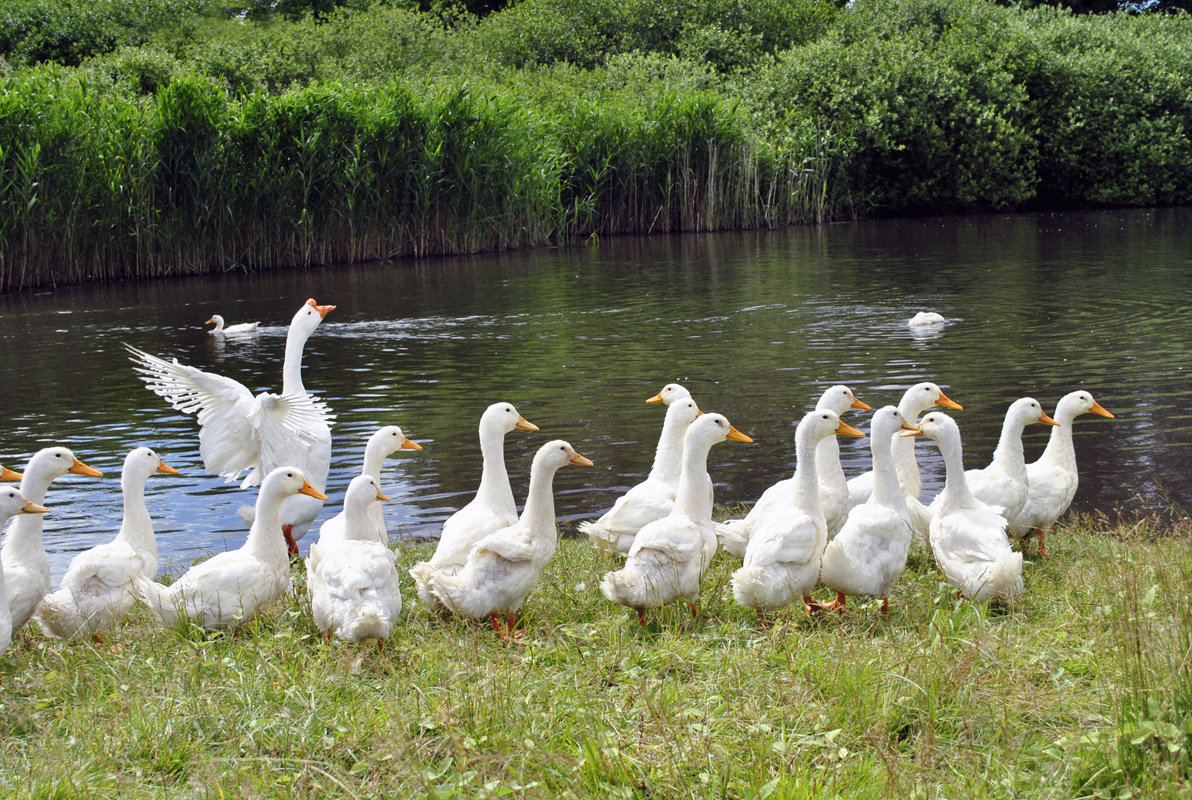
{"points": [[1081, 690]]}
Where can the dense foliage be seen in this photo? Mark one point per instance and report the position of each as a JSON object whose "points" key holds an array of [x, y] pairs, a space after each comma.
{"points": [[158, 136]]}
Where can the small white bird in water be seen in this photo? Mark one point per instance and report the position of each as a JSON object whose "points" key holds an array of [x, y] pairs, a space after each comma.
{"points": [[220, 328], [926, 318]]}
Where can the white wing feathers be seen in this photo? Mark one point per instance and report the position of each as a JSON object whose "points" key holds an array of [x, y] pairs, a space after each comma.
{"points": [[238, 432]]}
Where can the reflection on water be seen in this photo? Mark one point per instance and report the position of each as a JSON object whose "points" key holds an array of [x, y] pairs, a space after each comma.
{"points": [[755, 324]]}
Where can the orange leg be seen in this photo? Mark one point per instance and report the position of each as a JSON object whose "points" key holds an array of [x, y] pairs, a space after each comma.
{"points": [[291, 545], [511, 626], [97, 638], [641, 617], [812, 604], [837, 604], [886, 606], [495, 619], [761, 619], [694, 608], [380, 645], [327, 636], [1043, 543]]}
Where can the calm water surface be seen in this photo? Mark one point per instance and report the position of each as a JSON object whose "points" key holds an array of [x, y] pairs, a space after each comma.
{"points": [[755, 324]]}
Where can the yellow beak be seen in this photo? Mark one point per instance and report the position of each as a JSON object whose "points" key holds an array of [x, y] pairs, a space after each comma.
{"points": [[79, 468], [409, 444], [948, 402], [7, 474], [656, 398], [311, 491], [34, 508], [863, 406], [1046, 420], [580, 461], [524, 424], [167, 469], [735, 435], [844, 429], [1097, 409], [381, 496]]}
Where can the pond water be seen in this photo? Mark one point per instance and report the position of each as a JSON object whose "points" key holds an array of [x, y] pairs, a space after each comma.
{"points": [[755, 324]]}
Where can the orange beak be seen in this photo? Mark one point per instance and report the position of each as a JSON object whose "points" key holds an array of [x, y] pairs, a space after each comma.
{"points": [[844, 429], [524, 424], [311, 491], [910, 431], [409, 445], [736, 435], [1046, 420], [863, 406], [656, 398], [210, 321], [948, 402], [580, 461], [79, 468], [1097, 409], [34, 508], [323, 310], [7, 474], [167, 469], [381, 496]]}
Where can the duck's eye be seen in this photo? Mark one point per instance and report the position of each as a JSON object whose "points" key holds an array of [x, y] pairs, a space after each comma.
{"points": [[57, 455], [289, 474]]}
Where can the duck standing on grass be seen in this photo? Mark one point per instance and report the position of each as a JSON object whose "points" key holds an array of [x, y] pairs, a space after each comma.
{"points": [[352, 578], [239, 432], [1053, 479], [654, 497], [503, 567], [12, 502], [782, 560], [869, 552], [98, 588], [670, 555], [226, 590], [968, 538], [492, 509], [382, 444], [26, 566]]}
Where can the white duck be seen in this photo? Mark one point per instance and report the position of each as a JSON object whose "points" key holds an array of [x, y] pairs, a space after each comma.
{"points": [[669, 556], [787, 538], [229, 588], [869, 552], [240, 432], [503, 567], [1003, 484], [924, 318], [967, 537], [12, 502], [354, 587], [98, 589], [1053, 477], [220, 328], [833, 487], [26, 567], [654, 497], [492, 509], [916, 400], [382, 444]]}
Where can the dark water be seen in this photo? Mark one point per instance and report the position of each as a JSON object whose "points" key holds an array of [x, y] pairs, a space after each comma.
{"points": [[755, 324]]}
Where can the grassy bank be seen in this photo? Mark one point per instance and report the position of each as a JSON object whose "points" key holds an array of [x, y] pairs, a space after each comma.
{"points": [[158, 137], [1081, 691]]}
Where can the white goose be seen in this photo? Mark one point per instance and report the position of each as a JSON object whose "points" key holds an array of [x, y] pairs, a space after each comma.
{"points": [[354, 588], [669, 556], [654, 497], [1053, 477], [503, 567], [1003, 484], [382, 444], [220, 328], [26, 567], [916, 400], [240, 432], [98, 589], [12, 502], [869, 552], [229, 588], [786, 539], [968, 538], [492, 509]]}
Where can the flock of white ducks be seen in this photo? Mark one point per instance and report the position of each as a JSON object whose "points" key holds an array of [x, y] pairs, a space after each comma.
{"points": [[814, 528]]}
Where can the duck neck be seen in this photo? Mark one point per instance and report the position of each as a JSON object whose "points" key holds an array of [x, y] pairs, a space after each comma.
{"points": [[1008, 454], [956, 490], [494, 490], [1060, 448], [136, 527], [539, 513], [827, 463], [266, 540], [24, 532], [806, 474], [668, 457], [374, 459], [886, 489], [291, 370], [359, 522], [693, 497]]}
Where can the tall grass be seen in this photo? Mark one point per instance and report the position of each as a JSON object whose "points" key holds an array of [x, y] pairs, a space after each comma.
{"points": [[196, 178]]}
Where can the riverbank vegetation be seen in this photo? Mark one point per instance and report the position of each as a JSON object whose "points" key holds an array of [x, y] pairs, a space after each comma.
{"points": [[1080, 691], [147, 137]]}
